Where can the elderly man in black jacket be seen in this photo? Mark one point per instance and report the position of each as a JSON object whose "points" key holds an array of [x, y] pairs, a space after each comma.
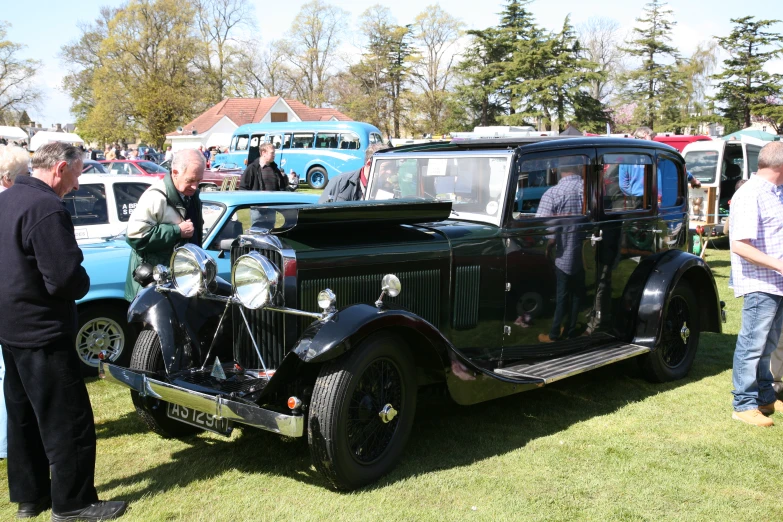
{"points": [[350, 186], [51, 432]]}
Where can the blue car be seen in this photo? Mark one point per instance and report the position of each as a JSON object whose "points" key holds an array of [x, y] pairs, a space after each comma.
{"points": [[102, 312]]}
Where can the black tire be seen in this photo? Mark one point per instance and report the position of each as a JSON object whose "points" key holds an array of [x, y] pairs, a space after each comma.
{"points": [[103, 327], [347, 401], [317, 178], [147, 356], [673, 357]]}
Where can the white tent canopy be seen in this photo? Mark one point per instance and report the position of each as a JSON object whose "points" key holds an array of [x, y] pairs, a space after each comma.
{"points": [[44, 137], [12, 133]]}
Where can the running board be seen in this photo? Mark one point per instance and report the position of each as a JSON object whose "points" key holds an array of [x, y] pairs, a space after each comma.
{"points": [[558, 368]]}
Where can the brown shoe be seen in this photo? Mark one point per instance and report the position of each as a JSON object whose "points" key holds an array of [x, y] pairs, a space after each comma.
{"points": [[769, 409], [752, 417], [544, 338]]}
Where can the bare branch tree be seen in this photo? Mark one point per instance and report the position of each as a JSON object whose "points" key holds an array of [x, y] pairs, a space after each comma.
{"points": [[312, 49], [599, 38], [261, 71], [16, 76]]}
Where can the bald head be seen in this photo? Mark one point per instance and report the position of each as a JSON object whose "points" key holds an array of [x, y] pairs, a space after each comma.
{"points": [[771, 156]]}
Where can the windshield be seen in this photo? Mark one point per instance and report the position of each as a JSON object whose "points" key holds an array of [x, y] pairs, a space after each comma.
{"points": [[474, 183], [152, 167], [703, 164]]}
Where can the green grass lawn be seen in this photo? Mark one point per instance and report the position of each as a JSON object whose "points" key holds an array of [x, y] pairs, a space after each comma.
{"points": [[605, 445]]}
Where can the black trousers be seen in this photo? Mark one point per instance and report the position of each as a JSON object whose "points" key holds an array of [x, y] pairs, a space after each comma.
{"points": [[51, 430]]}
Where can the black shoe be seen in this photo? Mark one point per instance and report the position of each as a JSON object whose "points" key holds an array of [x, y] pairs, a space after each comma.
{"points": [[101, 510], [33, 509]]}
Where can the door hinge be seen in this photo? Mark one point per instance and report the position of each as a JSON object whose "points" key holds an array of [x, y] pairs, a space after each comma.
{"points": [[508, 287], [506, 330]]}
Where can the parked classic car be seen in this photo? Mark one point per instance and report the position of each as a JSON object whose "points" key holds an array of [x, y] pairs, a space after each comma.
{"points": [[103, 324], [100, 208], [458, 270], [135, 167]]}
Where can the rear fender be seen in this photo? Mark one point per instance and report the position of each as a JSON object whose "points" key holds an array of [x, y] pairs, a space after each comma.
{"points": [[176, 319], [672, 268]]}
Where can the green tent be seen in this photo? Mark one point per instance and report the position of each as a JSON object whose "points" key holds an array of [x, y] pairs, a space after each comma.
{"points": [[761, 135]]}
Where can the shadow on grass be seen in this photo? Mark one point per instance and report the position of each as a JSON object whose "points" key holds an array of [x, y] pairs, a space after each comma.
{"points": [[445, 435], [718, 263], [127, 424]]}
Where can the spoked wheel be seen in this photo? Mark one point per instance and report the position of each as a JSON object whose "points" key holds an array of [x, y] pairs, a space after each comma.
{"points": [[102, 329], [362, 412], [674, 355]]}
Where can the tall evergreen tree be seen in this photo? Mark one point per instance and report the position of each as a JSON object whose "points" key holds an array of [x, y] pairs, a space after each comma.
{"points": [[653, 84], [478, 72], [744, 85]]}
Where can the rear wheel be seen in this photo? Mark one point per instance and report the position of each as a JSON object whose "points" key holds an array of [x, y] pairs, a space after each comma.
{"points": [[103, 328], [673, 357], [147, 356], [317, 178], [362, 412]]}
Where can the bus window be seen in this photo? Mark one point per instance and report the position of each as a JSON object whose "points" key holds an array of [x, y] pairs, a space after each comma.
{"points": [[375, 138], [753, 160], [349, 140], [302, 140], [281, 141], [326, 140], [240, 142]]}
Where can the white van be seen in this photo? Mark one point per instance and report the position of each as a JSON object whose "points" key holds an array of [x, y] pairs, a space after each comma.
{"points": [[718, 165]]}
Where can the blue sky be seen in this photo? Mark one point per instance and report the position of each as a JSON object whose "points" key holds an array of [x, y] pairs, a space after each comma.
{"points": [[50, 24]]}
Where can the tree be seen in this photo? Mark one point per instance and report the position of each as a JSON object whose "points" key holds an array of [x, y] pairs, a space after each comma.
{"points": [[143, 80], [744, 85], [311, 49], [655, 81], [599, 39], [17, 91], [261, 71], [689, 109], [435, 34], [478, 71], [217, 22]]}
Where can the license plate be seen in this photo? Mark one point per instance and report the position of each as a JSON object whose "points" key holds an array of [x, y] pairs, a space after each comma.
{"points": [[80, 233], [199, 419]]}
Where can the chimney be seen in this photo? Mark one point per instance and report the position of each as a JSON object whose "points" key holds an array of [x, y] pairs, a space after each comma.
{"points": [[58, 127]]}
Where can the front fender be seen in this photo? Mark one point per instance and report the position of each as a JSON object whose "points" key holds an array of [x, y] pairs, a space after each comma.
{"points": [[672, 268], [176, 319], [326, 340]]}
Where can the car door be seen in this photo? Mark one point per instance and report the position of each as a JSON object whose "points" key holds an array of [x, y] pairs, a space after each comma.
{"points": [[126, 195], [282, 143], [89, 211], [671, 187], [549, 255], [626, 231]]}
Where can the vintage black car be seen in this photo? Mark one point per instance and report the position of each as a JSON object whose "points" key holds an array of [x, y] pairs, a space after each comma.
{"points": [[490, 266]]}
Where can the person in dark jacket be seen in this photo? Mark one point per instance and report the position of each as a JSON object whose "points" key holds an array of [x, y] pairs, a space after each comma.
{"points": [[51, 431], [263, 173], [350, 186]]}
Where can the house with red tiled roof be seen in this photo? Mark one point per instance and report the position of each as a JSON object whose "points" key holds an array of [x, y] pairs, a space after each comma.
{"points": [[215, 126]]}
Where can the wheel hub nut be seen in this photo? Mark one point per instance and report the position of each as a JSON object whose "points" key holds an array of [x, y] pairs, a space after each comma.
{"points": [[387, 413], [685, 333]]}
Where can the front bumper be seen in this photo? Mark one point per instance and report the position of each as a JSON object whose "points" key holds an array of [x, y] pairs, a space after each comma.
{"points": [[220, 407]]}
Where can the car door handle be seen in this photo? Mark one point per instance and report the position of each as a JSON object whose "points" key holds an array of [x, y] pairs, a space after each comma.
{"points": [[599, 237], [658, 231]]}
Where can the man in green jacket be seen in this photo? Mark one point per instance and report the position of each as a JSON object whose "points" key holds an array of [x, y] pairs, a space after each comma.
{"points": [[168, 215]]}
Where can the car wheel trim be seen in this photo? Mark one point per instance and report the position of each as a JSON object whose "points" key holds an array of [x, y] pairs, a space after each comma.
{"points": [[369, 428], [97, 335]]}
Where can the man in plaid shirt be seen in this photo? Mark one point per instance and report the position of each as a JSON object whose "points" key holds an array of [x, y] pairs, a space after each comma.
{"points": [[756, 231], [565, 199]]}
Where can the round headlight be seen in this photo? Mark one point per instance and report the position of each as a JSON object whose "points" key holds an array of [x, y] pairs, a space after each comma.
{"points": [[326, 299], [192, 270], [255, 280]]}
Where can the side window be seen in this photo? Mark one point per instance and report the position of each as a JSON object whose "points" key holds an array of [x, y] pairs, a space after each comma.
{"points": [[669, 183], [281, 141], [375, 138], [326, 140], [626, 182], [126, 195], [753, 160], [240, 142], [236, 225], [211, 213], [255, 140], [349, 140], [551, 187], [132, 169], [87, 205], [302, 140], [116, 168]]}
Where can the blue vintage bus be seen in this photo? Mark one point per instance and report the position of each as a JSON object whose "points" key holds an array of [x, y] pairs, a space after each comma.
{"points": [[315, 150]]}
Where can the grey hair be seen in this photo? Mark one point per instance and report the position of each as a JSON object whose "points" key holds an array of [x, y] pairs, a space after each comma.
{"points": [[13, 162], [49, 155], [183, 158], [644, 133], [771, 155], [372, 149]]}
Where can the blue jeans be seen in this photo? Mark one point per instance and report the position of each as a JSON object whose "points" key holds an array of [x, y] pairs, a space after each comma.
{"points": [[570, 293], [762, 321], [3, 413]]}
